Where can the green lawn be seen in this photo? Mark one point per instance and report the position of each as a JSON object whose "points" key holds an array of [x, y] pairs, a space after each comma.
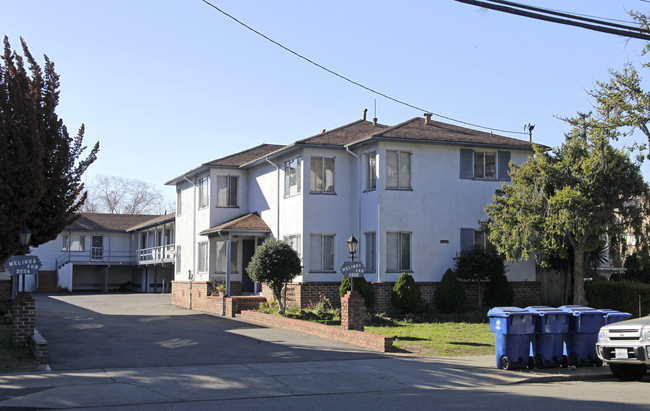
{"points": [[438, 339], [14, 358]]}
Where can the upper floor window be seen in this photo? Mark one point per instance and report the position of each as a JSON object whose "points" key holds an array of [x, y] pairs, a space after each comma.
{"points": [[398, 251], [371, 170], [73, 242], [203, 192], [227, 191], [398, 169], [292, 177], [484, 165], [321, 249], [322, 175]]}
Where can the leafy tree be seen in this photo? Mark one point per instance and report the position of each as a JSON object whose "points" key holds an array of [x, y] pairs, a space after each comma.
{"points": [[479, 264], [498, 292], [574, 195], [274, 263], [40, 164]]}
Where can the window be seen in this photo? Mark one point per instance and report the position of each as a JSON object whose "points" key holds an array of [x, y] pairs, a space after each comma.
{"points": [[73, 242], [178, 259], [179, 202], [292, 177], [294, 242], [484, 165], [203, 192], [398, 169], [470, 237], [227, 191], [222, 256], [398, 251], [321, 252], [371, 252], [322, 175], [203, 257], [371, 171]]}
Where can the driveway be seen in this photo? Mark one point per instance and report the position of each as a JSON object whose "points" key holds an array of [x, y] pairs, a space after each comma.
{"points": [[100, 331]]}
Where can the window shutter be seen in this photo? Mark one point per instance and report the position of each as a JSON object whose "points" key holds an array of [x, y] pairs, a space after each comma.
{"points": [[504, 159], [466, 163], [466, 239]]}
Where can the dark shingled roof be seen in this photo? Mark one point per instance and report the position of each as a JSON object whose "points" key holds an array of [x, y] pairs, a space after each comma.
{"points": [[416, 130], [246, 156], [108, 222], [152, 222], [247, 222], [344, 135]]}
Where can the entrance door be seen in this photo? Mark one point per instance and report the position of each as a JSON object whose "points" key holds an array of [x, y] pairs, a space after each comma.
{"points": [[248, 249], [98, 248]]}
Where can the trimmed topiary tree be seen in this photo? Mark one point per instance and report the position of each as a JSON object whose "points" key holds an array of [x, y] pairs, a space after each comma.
{"points": [[450, 293], [406, 294], [498, 292], [361, 286], [274, 263]]}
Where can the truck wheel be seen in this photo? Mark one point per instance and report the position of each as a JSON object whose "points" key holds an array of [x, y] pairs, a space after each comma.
{"points": [[505, 362], [628, 372], [598, 362]]}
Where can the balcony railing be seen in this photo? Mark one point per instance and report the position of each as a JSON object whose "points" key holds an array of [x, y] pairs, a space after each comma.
{"points": [[96, 255], [160, 254]]}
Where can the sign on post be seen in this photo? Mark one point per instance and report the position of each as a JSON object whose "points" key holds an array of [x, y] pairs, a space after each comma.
{"points": [[24, 264], [352, 269]]}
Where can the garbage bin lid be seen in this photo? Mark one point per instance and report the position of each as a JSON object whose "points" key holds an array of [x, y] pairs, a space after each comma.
{"points": [[578, 310], [614, 313], [507, 311], [543, 310]]}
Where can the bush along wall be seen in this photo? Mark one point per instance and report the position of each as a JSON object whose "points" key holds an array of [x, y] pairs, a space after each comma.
{"points": [[406, 294], [361, 286], [450, 294], [619, 295]]}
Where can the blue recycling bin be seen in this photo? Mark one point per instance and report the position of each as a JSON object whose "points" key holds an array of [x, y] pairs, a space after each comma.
{"points": [[551, 326], [513, 328], [613, 316], [580, 341]]}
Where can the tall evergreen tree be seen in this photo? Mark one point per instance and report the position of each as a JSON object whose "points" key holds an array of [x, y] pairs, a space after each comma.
{"points": [[40, 164]]}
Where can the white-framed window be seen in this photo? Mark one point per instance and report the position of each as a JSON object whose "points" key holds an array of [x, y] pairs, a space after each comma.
{"points": [[371, 252], [485, 165], [371, 171], [73, 242], [398, 251], [322, 175], [470, 237], [294, 242], [292, 170], [203, 257], [321, 249], [222, 256], [398, 169], [178, 259], [204, 196], [227, 191], [179, 202]]}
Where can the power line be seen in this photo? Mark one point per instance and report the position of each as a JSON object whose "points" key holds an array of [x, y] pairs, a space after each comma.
{"points": [[352, 81], [571, 19]]}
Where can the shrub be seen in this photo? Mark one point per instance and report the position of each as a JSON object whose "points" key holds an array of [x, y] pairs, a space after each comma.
{"points": [[498, 292], [619, 295], [637, 267], [406, 294], [450, 293], [361, 286], [479, 264]]}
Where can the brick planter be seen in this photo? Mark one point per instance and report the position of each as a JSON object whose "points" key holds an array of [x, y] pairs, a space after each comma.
{"points": [[23, 312], [352, 311]]}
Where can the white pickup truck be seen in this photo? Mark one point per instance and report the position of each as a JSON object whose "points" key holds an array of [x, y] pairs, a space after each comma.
{"points": [[625, 347]]}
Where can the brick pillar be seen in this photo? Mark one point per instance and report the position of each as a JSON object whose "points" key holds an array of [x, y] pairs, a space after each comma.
{"points": [[352, 311], [23, 315]]}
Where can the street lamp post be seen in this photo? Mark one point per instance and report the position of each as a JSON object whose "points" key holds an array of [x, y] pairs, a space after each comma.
{"points": [[352, 249], [24, 235]]}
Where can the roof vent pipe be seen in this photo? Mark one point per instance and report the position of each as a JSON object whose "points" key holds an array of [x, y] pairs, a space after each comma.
{"points": [[374, 121], [365, 110], [322, 131], [427, 118]]}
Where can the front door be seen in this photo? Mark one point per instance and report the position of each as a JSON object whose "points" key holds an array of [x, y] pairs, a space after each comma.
{"points": [[98, 248], [248, 247]]}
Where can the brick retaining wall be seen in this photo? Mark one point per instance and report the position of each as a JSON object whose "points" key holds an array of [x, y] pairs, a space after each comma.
{"points": [[371, 341], [5, 291], [23, 318], [195, 297]]}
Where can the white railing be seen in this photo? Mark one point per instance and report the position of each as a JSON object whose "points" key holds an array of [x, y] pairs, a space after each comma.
{"points": [[163, 253]]}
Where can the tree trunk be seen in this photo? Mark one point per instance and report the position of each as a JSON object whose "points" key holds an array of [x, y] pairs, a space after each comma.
{"points": [[579, 297]]}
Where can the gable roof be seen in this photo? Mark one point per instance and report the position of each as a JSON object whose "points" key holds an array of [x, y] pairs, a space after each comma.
{"points": [[243, 157], [108, 222], [419, 129], [166, 218], [344, 135], [246, 222]]}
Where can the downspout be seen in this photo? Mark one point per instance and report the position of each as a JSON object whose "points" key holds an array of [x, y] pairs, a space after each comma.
{"points": [[277, 208], [193, 228]]}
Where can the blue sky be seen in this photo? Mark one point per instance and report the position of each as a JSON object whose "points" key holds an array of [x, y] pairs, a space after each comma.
{"points": [[167, 85]]}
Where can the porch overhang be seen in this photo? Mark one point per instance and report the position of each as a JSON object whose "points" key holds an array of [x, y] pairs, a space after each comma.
{"points": [[250, 224]]}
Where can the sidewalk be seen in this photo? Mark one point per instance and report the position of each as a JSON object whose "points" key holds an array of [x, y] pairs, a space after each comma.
{"points": [[183, 384]]}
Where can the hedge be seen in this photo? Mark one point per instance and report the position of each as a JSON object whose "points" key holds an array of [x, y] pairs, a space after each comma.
{"points": [[619, 295]]}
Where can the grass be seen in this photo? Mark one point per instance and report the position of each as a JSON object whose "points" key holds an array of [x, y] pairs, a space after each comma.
{"points": [[13, 359]]}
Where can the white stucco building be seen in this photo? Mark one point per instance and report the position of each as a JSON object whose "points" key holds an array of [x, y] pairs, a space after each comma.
{"points": [[106, 251], [412, 194]]}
